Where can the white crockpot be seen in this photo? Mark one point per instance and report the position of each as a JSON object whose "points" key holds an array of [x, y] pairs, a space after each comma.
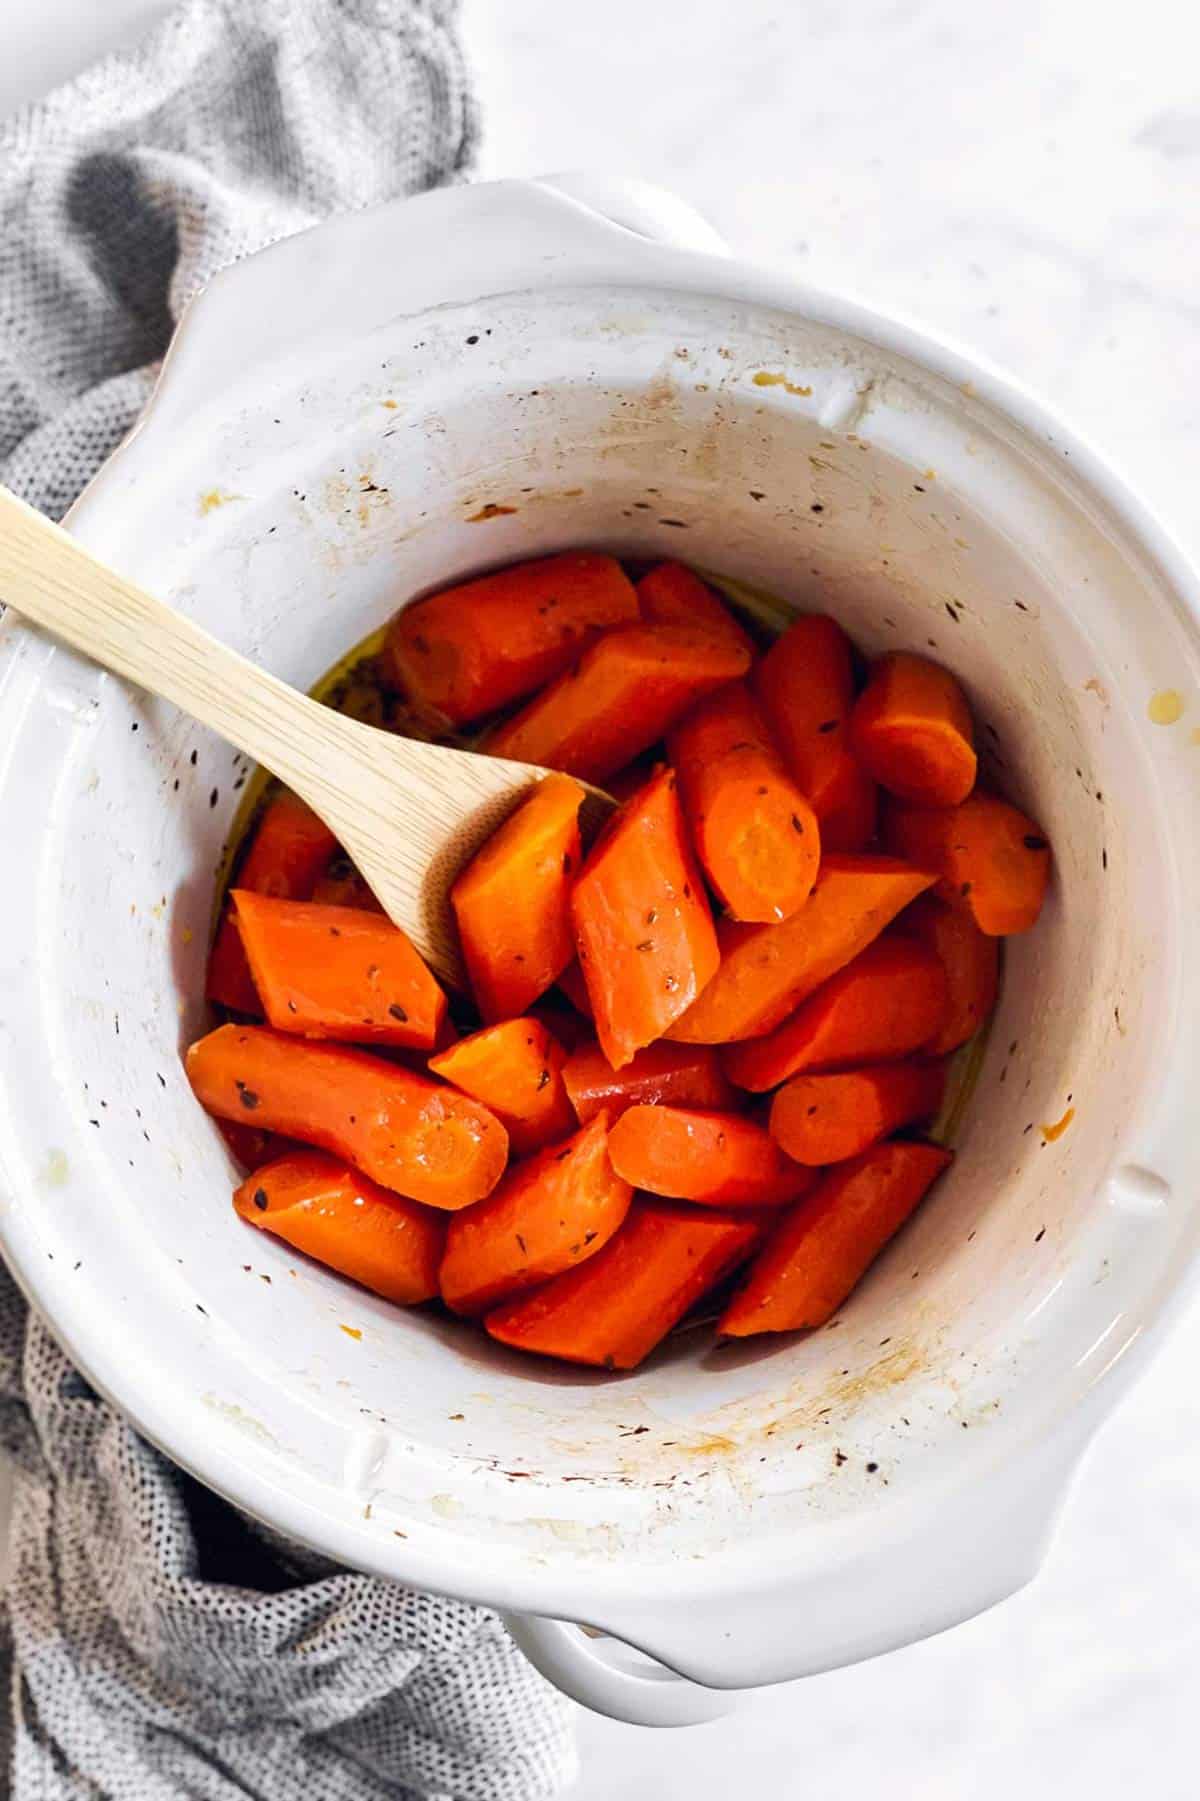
{"points": [[409, 395]]}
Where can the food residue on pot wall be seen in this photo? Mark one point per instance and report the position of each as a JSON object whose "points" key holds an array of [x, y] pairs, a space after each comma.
{"points": [[1050, 1133], [1166, 707]]}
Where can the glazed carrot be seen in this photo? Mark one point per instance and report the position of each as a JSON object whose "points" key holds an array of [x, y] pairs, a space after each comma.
{"points": [[820, 1249], [766, 971], [670, 594], [828, 1118], [884, 1003], [340, 885], [911, 730], [992, 859], [405, 1131], [613, 1310], [643, 930], [480, 645], [575, 988], [805, 686], [623, 694], [286, 856], [970, 959], [516, 1070], [511, 901], [338, 972], [322, 1207], [686, 1075], [753, 830], [718, 1159], [549, 1214]]}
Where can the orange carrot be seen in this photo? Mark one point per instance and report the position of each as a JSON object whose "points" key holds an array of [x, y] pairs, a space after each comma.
{"points": [[322, 1207], [992, 859], [643, 930], [289, 850], [671, 595], [575, 988], [885, 1003], [516, 1070], [613, 1310], [849, 815], [624, 693], [911, 730], [686, 1075], [828, 1118], [718, 1159], [250, 1145], [970, 959], [340, 885], [512, 901], [820, 1249], [805, 686], [766, 971], [473, 648], [550, 1213], [338, 972], [753, 830], [405, 1131]]}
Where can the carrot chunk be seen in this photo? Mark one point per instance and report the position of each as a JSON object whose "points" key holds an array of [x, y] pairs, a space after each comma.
{"points": [[512, 901], [766, 971], [885, 1003], [613, 1310], [911, 730], [753, 830], [718, 1159], [686, 1075], [805, 686], [286, 856], [991, 858], [322, 1207], [643, 929], [624, 693], [670, 594], [549, 1214], [479, 645], [970, 959], [516, 1070], [403, 1130], [828, 1118], [820, 1250]]}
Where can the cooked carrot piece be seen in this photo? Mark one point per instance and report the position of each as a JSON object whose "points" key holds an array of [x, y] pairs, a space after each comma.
{"points": [[516, 1070], [753, 830], [643, 930], [340, 885], [850, 812], [250, 1145], [970, 959], [884, 1003], [550, 1213], [670, 594], [828, 1118], [613, 1310], [685, 1075], [911, 730], [575, 988], [766, 971], [286, 856], [718, 1159], [402, 1129], [338, 972], [820, 1249], [805, 686], [484, 643], [624, 693], [512, 901], [992, 859], [322, 1207]]}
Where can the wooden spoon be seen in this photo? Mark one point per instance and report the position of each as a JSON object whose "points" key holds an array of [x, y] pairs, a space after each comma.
{"points": [[409, 814]]}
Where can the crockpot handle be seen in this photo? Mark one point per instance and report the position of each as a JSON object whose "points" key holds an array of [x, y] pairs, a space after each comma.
{"points": [[613, 1678], [640, 207]]}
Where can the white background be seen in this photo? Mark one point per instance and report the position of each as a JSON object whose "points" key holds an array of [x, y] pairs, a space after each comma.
{"points": [[1025, 177]]}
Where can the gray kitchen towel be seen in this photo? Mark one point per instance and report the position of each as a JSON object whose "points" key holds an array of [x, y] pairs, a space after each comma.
{"points": [[157, 1644]]}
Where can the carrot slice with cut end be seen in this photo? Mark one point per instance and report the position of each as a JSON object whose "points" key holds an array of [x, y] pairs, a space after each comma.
{"points": [[821, 1249], [753, 830], [970, 959], [322, 1207], [402, 1129], [718, 1159], [766, 971], [516, 1070], [512, 901], [911, 730], [625, 692], [992, 859], [614, 1309], [805, 686], [885, 1003], [478, 646], [670, 594], [549, 1214], [643, 929], [687, 1075], [286, 856], [828, 1118]]}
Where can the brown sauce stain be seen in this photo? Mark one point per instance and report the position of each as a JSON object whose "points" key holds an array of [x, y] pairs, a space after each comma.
{"points": [[766, 378], [490, 511]]}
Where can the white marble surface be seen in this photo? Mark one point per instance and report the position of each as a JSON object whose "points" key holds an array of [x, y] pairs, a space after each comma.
{"points": [[1025, 175]]}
